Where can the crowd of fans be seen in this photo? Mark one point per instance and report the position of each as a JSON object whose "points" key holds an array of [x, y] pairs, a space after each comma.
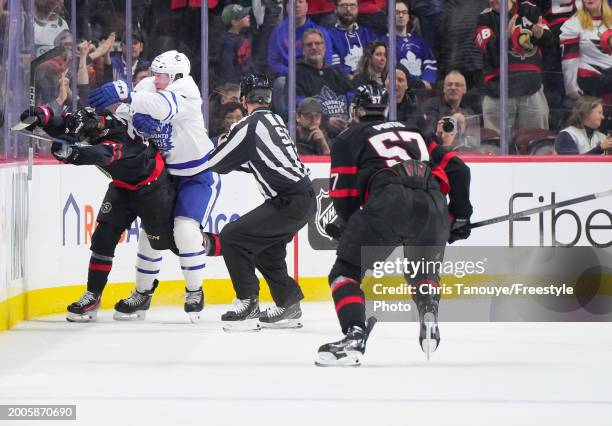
{"points": [[447, 56]]}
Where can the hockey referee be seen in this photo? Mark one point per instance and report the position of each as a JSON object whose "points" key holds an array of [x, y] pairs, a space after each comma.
{"points": [[260, 144]]}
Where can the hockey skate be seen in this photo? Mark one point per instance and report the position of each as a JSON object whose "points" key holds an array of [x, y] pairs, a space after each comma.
{"points": [[134, 307], [244, 316], [85, 309], [429, 337], [194, 304], [348, 351], [278, 317]]}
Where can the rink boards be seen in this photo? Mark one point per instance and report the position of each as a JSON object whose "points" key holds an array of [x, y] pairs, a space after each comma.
{"points": [[46, 227]]}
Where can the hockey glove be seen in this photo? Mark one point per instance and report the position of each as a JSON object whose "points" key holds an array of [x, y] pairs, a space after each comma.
{"points": [[460, 230], [63, 152], [334, 230], [109, 94], [42, 114], [145, 124]]}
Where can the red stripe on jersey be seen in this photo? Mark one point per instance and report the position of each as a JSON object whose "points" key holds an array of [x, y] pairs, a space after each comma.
{"points": [[558, 21], [582, 72], [447, 157], [513, 68], [343, 193], [217, 245], [159, 166], [348, 300], [569, 56], [100, 267], [571, 41], [343, 283], [344, 170], [432, 146]]}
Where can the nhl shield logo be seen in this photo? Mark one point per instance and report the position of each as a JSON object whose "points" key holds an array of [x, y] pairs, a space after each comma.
{"points": [[325, 213]]}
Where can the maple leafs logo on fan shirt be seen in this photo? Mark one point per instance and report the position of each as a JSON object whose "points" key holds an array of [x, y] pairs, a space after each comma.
{"points": [[331, 103]]}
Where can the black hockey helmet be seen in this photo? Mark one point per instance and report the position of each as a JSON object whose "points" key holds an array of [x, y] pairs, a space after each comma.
{"points": [[256, 88], [373, 99], [84, 124]]}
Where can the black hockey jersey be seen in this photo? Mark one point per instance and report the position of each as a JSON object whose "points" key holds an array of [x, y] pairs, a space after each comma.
{"points": [[131, 163], [524, 63], [367, 147]]}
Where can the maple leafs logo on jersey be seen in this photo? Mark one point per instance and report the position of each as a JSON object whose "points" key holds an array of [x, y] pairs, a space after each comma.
{"points": [[163, 138], [331, 103]]}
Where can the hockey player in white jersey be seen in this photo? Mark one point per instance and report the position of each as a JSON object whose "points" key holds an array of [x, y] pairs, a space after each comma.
{"points": [[166, 108]]}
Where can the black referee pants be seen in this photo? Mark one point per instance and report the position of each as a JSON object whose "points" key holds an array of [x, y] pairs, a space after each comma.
{"points": [[259, 240]]}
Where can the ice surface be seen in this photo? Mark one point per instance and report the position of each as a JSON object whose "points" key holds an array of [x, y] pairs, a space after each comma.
{"points": [[166, 371]]}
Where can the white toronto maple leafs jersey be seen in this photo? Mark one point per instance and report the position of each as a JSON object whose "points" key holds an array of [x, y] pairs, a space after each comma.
{"points": [[182, 138]]}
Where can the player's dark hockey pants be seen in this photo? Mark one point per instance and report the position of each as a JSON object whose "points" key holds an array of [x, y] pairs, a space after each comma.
{"points": [[152, 203], [401, 210], [259, 239]]}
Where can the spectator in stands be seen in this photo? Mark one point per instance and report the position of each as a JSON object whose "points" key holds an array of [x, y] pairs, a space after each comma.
{"points": [[373, 15], [315, 79], [224, 94], [527, 105], [556, 13], [456, 136], [228, 114], [235, 56], [429, 13], [53, 80], [586, 39], [119, 59], [100, 63], [582, 136], [311, 139], [322, 12], [48, 24], [451, 102], [456, 49], [278, 48], [407, 104], [349, 40], [140, 73], [268, 14], [372, 66], [412, 51]]}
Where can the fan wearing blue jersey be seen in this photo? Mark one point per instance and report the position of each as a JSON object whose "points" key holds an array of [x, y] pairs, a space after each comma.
{"points": [[349, 40], [166, 108], [412, 51]]}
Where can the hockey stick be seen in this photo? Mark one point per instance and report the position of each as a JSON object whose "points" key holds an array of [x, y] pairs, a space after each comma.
{"points": [[540, 209], [56, 51]]}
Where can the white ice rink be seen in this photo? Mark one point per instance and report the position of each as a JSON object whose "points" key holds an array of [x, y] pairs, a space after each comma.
{"points": [[167, 372]]}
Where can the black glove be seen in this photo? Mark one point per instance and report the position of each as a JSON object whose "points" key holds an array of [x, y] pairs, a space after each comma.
{"points": [[43, 115], [63, 152], [334, 230], [460, 230]]}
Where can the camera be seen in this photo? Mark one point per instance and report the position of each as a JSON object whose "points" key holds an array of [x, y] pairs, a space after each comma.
{"points": [[449, 125]]}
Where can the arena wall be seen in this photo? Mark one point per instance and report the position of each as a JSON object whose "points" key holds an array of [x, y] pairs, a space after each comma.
{"points": [[46, 227]]}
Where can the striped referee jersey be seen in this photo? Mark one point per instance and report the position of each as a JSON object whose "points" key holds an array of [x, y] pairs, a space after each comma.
{"points": [[260, 144]]}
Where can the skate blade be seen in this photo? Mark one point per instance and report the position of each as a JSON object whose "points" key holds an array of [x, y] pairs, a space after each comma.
{"points": [[242, 326], [194, 317], [136, 316], [91, 316], [327, 359], [286, 323], [429, 344]]}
